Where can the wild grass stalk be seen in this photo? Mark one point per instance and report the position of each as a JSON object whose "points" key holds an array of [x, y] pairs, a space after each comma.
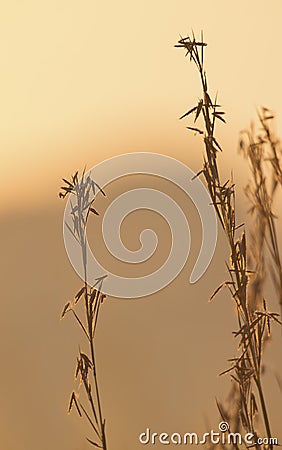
{"points": [[81, 192], [262, 149], [254, 321]]}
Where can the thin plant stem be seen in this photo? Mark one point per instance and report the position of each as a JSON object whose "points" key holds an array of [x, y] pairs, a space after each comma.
{"points": [[93, 297], [245, 369]]}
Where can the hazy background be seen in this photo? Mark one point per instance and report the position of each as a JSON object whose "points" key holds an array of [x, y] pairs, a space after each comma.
{"points": [[83, 81]]}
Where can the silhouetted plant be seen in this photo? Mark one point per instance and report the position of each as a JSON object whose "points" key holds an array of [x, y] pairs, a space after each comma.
{"points": [[254, 319], [262, 149], [83, 192]]}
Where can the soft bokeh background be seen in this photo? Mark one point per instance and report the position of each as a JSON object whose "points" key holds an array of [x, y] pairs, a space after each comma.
{"points": [[83, 81]]}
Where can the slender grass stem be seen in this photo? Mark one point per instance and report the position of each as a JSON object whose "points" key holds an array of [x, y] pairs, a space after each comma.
{"points": [[246, 370]]}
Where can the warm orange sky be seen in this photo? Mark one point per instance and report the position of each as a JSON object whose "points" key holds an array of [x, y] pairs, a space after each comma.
{"points": [[82, 81]]}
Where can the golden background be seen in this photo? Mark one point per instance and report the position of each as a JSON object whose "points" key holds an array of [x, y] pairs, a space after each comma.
{"points": [[80, 82]]}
